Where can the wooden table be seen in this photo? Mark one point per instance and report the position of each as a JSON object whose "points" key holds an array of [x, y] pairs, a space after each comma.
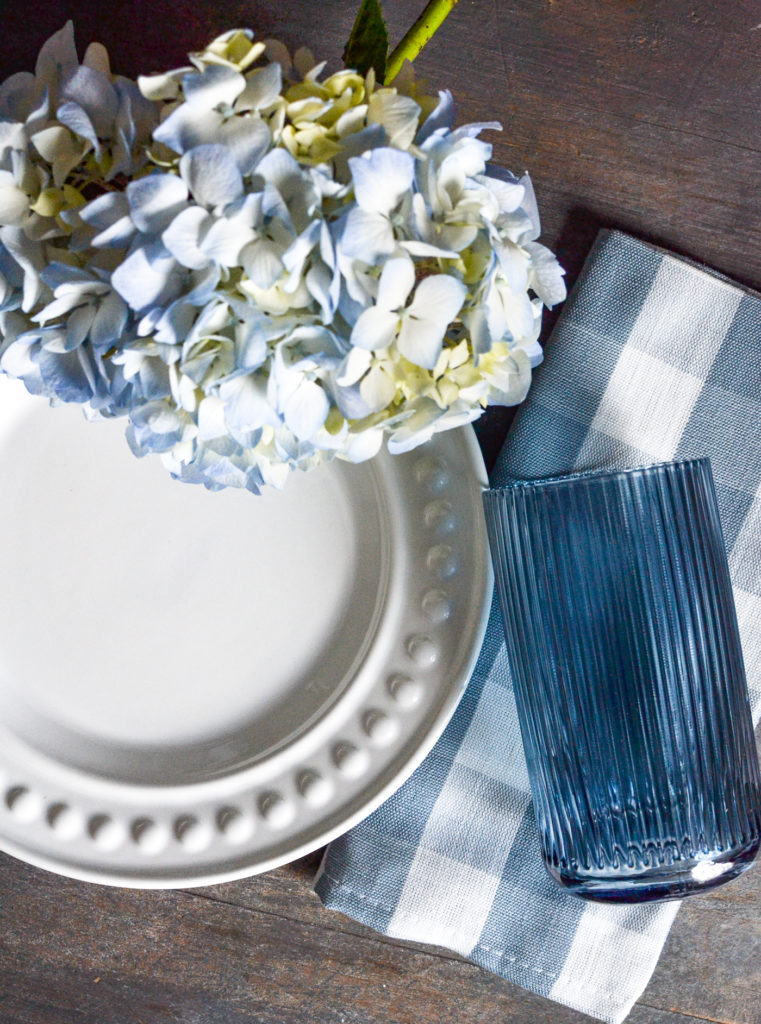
{"points": [[640, 114]]}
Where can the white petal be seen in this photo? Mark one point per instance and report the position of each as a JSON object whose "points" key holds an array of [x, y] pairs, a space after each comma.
{"points": [[184, 235], [378, 389], [162, 86], [515, 265], [212, 175], [261, 261], [367, 236], [247, 138], [306, 410], [225, 240], [262, 88], [14, 205], [363, 446], [155, 200], [396, 282], [546, 275], [375, 328], [354, 365], [420, 341], [437, 301], [186, 128], [398, 114], [381, 178], [424, 249], [438, 298], [216, 84], [417, 428]]}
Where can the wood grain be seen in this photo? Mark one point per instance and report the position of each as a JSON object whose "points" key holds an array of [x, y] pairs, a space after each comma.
{"points": [[639, 114]]}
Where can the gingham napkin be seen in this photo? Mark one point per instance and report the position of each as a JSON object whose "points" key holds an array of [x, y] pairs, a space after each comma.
{"points": [[652, 359]]}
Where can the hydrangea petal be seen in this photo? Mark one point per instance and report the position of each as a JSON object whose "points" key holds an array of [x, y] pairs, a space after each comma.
{"points": [[16, 94], [212, 175], [184, 235], [375, 329], [262, 88], [378, 389], [262, 263], [306, 410], [58, 55], [214, 86], [225, 240], [93, 92], [154, 201], [77, 120], [398, 114], [396, 282], [146, 277], [367, 236], [381, 177], [546, 275]]}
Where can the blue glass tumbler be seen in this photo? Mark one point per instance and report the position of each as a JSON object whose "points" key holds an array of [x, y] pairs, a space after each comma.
{"points": [[622, 637]]}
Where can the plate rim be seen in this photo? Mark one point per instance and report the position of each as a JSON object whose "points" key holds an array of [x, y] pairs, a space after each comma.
{"points": [[433, 731]]}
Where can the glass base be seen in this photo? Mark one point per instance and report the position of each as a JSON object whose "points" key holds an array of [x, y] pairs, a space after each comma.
{"points": [[669, 882]]}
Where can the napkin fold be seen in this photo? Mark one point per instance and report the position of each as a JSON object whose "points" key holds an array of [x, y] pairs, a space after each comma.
{"points": [[653, 358]]}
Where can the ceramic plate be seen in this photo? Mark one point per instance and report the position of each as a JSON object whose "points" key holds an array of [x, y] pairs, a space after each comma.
{"points": [[196, 687]]}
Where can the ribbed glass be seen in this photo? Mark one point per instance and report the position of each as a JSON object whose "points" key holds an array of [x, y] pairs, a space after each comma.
{"points": [[629, 680]]}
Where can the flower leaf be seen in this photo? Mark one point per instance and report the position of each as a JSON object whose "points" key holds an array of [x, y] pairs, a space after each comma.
{"points": [[368, 43]]}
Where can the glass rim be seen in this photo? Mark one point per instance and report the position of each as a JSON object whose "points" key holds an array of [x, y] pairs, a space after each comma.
{"points": [[592, 474]]}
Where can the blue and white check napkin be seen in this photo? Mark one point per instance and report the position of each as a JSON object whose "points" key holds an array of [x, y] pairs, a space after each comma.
{"points": [[652, 359]]}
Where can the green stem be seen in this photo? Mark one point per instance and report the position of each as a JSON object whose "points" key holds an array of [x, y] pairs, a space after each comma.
{"points": [[420, 33]]}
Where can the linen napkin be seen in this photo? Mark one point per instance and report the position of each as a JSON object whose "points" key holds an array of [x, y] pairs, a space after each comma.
{"points": [[652, 358]]}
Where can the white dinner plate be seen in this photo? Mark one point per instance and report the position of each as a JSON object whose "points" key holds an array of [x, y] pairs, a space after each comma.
{"points": [[195, 686]]}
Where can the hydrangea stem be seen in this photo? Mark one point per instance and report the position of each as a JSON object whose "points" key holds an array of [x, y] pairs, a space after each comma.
{"points": [[416, 38]]}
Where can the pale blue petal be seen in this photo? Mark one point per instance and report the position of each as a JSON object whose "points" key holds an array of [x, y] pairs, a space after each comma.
{"points": [[186, 128], [147, 277], [156, 427], [77, 121], [246, 404], [420, 341], [381, 177], [247, 138], [306, 410], [78, 326], [367, 236], [31, 259], [93, 92], [212, 175], [262, 263], [213, 86], [109, 322], [442, 117], [225, 240], [154, 201], [262, 88], [184, 235], [320, 284], [109, 216]]}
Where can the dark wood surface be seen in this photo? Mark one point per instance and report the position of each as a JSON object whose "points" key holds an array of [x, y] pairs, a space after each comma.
{"points": [[640, 114]]}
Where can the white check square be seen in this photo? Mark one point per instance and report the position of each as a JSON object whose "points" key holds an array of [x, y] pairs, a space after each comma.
{"points": [[647, 403]]}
